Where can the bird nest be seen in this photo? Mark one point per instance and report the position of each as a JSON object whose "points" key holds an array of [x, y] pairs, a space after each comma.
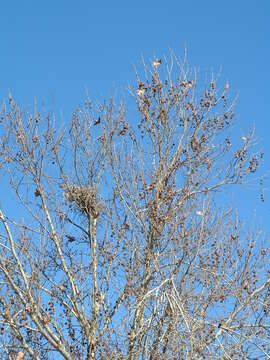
{"points": [[84, 198]]}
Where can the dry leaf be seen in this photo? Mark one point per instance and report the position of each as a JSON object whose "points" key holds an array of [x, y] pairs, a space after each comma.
{"points": [[156, 62], [140, 92]]}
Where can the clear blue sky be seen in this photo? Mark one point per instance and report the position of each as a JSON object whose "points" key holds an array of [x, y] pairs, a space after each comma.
{"points": [[57, 49]]}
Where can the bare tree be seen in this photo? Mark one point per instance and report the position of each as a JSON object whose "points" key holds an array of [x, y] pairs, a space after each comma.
{"points": [[114, 240]]}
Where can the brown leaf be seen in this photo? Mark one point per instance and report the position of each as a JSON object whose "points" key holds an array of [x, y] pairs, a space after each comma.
{"points": [[126, 226], [70, 238], [123, 131], [140, 92], [37, 192], [97, 121], [194, 143], [156, 62]]}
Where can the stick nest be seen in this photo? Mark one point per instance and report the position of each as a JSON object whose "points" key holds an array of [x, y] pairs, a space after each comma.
{"points": [[84, 198]]}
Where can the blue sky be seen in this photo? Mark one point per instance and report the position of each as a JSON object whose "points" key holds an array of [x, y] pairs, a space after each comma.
{"points": [[54, 50]]}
